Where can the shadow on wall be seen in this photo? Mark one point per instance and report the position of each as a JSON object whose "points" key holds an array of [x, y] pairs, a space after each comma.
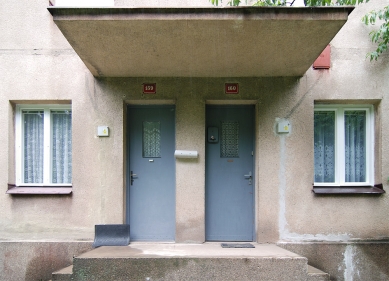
{"points": [[37, 260], [373, 259], [45, 261]]}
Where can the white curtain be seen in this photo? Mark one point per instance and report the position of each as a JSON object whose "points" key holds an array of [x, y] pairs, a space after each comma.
{"points": [[324, 149], [61, 146], [33, 146], [355, 146]]}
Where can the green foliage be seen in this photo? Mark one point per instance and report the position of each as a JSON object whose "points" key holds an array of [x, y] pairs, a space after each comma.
{"points": [[264, 3], [310, 3], [379, 37], [234, 3], [334, 3], [230, 3]]}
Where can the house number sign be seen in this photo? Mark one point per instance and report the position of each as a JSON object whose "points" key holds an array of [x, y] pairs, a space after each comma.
{"points": [[232, 88], [149, 88]]}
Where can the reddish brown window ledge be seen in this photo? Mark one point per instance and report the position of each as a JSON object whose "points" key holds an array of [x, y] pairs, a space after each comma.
{"points": [[375, 190], [21, 190]]}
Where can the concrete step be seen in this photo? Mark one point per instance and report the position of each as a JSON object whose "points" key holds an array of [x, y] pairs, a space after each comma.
{"points": [[64, 274], [315, 274], [208, 261]]}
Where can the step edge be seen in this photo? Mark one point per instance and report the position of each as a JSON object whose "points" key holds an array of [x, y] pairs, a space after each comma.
{"points": [[315, 271], [65, 270]]}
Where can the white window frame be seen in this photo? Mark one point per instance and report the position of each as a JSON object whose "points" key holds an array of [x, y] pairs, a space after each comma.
{"points": [[340, 140], [47, 146]]}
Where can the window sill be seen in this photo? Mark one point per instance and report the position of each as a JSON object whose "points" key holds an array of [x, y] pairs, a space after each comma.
{"points": [[331, 190], [51, 190]]}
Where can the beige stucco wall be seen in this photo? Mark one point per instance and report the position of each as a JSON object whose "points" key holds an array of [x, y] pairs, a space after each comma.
{"points": [[37, 63], [354, 79]]}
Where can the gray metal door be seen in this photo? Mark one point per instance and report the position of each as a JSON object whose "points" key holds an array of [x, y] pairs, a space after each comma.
{"points": [[229, 192], [151, 173]]}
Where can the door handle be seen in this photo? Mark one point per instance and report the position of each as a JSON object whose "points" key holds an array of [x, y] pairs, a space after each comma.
{"points": [[249, 177], [132, 176]]}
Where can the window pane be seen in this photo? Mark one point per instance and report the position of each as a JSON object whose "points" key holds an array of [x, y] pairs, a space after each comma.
{"points": [[355, 146], [61, 146], [324, 139], [33, 146], [151, 139], [229, 145]]}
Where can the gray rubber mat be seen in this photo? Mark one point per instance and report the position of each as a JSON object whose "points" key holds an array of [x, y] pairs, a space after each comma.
{"points": [[111, 235], [237, 245]]}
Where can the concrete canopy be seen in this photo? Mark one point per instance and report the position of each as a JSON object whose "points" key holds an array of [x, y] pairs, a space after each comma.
{"points": [[199, 42]]}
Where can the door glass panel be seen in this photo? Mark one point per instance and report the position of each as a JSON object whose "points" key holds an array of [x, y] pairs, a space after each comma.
{"points": [[229, 146], [151, 139]]}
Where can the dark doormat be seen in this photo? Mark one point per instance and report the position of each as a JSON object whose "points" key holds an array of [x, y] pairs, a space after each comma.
{"points": [[111, 235], [237, 245]]}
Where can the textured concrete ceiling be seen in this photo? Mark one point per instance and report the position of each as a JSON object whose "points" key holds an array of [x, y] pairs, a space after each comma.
{"points": [[199, 42]]}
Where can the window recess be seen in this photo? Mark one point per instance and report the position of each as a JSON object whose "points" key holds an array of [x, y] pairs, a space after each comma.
{"points": [[344, 149], [43, 149]]}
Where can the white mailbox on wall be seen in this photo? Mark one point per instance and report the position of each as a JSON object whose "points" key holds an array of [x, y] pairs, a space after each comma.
{"points": [[283, 127], [102, 131], [186, 154]]}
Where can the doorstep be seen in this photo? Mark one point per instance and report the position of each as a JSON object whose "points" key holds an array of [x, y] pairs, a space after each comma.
{"points": [[206, 250], [208, 261]]}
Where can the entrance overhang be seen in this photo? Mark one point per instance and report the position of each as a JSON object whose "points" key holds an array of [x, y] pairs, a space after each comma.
{"points": [[199, 42]]}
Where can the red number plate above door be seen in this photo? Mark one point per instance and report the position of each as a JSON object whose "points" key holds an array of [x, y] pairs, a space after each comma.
{"points": [[150, 88], [232, 88]]}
